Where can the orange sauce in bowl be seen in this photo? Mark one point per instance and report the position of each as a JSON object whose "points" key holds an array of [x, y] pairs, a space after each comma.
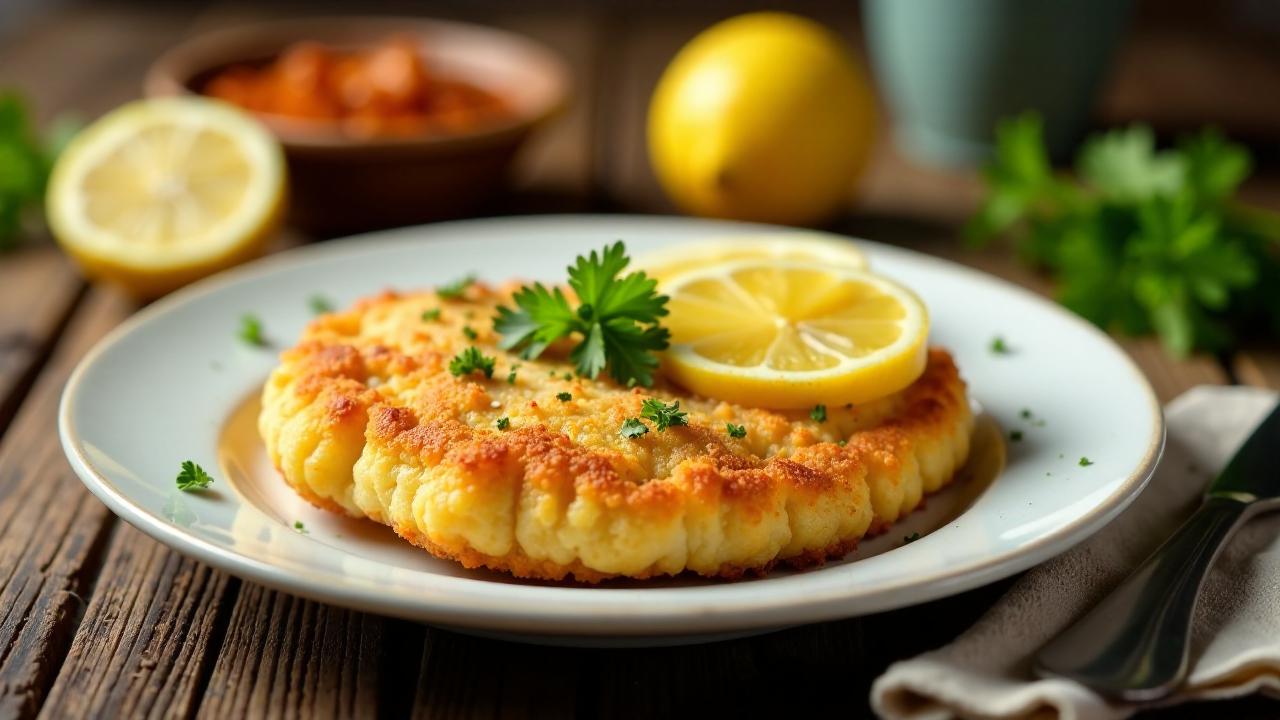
{"points": [[384, 91]]}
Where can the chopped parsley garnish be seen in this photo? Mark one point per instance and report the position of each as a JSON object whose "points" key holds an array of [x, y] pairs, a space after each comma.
{"points": [[469, 332], [663, 415], [633, 428], [192, 477], [564, 396], [616, 318], [735, 431], [1027, 415], [299, 527], [1085, 462], [471, 360], [455, 289], [503, 423], [1015, 435], [251, 330], [320, 304], [431, 315], [908, 539], [567, 376], [511, 375], [818, 413], [999, 346]]}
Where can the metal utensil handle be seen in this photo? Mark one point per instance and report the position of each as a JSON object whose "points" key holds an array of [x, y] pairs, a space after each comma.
{"points": [[1133, 645]]}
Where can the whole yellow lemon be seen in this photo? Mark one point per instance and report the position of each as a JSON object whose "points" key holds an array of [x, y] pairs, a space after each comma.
{"points": [[765, 116]]}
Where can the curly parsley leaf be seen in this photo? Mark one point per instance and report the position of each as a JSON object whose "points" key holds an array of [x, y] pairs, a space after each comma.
{"points": [[616, 318], [633, 428], [470, 360], [735, 431], [192, 477], [662, 414]]}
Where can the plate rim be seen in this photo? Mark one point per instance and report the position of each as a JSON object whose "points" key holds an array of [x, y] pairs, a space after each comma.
{"points": [[620, 620]]}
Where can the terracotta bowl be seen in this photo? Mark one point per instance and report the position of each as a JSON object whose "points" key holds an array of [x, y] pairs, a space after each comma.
{"points": [[341, 184]]}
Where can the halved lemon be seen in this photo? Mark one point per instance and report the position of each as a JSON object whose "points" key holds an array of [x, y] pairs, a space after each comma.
{"points": [[798, 247], [159, 193], [793, 335]]}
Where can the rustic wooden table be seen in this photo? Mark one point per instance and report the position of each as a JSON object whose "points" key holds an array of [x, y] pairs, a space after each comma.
{"points": [[98, 620]]}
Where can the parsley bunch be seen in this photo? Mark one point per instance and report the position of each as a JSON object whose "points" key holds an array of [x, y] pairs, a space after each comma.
{"points": [[1145, 240], [616, 318], [25, 161]]}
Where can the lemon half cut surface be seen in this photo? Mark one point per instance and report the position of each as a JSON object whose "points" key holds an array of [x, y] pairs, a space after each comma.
{"points": [[793, 335], [161, 192], [798, 247]]}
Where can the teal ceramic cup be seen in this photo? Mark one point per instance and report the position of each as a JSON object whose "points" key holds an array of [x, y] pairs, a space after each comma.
{"points": [[951, 69]]}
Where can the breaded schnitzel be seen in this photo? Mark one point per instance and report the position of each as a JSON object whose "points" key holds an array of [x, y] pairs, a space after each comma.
{"points": [[526, 471]]}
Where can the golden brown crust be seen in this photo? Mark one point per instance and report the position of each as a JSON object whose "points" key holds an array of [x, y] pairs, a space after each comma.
{"points": [[362, 417]]}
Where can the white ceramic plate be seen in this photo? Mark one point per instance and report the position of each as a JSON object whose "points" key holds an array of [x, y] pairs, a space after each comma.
{"points": [[174, 383]]}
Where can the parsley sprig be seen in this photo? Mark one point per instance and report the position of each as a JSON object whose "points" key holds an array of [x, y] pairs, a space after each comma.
{"points": [[616, 318], [1144, 240], [192, 477]]}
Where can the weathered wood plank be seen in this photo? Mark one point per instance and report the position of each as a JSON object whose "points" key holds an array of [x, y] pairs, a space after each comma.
{"points": [[462, 677], [38, 289], [1259, 367], [287, 657], [51, 530], [147, 640]]}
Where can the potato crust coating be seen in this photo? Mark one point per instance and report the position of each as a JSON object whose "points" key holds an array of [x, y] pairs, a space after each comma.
{"points": [[363, 417]]}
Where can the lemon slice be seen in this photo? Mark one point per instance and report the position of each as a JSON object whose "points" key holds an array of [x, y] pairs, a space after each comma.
{"points": [[669, 262], [793, 335], [161, 192]]}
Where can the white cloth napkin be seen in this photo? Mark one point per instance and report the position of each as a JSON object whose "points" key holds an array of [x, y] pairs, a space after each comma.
{"points": [[985, 673]]}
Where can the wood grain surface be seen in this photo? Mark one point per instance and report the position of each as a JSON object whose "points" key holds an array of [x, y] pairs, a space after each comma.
{"points": [[97, 620]]}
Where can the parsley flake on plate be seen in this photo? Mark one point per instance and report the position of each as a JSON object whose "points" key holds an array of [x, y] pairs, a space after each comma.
{"points": [[511, 375], [1085, 462], [663, 415], [1015, 435], [251, 330], [503, 423], [735, 431], [192, 477], [908, 539], [616, 319], [471, 360], [999, 346], [564, 396], [818, 413], [633, 428], [469, 332], [320, 304], [299, 527], [431, 315], [455, 289]]}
